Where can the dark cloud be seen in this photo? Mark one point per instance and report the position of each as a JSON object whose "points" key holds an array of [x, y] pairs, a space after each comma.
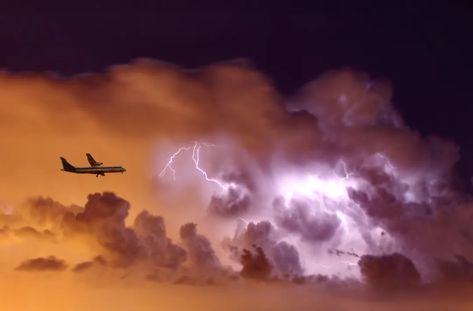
{"points": [[103, 219], [104, 215], [234, 202], [282, 256], [255, 264], [86, 265], [199, 249], [286, 259], [379, 204], [309, 223], [50, 263], [104, 207], [260, 233], [457, 270], [158, 247], [387, 272], [80, 267]]}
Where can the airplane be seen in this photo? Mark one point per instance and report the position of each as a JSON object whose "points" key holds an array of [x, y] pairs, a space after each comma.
{"points": [[95, 167]]}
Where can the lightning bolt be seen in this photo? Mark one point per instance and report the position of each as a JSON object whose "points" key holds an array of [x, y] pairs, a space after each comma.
{"points": [[171, 160], [346, 175], [196, 159]]}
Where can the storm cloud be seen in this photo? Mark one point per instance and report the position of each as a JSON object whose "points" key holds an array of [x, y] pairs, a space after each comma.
{"points": [[326, 184]]}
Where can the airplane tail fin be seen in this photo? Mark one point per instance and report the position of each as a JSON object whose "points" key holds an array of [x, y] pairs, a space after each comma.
{"points": [[67, 166], [92, 161]]}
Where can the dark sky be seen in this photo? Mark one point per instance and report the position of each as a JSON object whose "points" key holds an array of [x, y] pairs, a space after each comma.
{"points": [[424, 47]]}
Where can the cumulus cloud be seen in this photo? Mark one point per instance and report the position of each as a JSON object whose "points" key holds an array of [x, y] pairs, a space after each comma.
{"points": [[456, 270], [387, 272], [282, 257], [86, 265], [286, 259], [201, 253], [255, 264], [350, 99], [304, 220], [233, 203], [102, 221], [104, 216], [361, 181], [159, 248]]}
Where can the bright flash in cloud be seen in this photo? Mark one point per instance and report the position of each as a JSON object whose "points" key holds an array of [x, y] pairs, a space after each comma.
{"points": [[311, 185]]}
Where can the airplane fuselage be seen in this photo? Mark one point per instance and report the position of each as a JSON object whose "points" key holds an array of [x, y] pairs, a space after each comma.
{"points": [[97, 170]]}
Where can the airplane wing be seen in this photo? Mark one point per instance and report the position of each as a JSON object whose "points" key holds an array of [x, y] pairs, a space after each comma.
{"points": [[92, 160]]}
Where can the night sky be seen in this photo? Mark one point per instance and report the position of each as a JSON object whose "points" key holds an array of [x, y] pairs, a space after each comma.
{"points": [[263, 171], [425, 49]]}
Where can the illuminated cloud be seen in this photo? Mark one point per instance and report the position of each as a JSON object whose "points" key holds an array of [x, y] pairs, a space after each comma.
{"points": [[304, 220], [234, 202], [281, 259], [324, 188]]}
